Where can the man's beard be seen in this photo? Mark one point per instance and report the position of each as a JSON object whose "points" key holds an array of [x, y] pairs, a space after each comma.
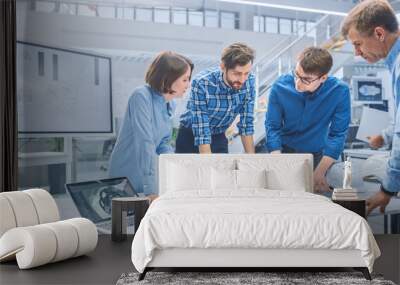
{"points": [[234, 84]]}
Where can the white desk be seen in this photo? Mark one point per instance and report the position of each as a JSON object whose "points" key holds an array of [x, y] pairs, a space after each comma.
{"points": [[235, 146], [363, 153], [392, 212]]}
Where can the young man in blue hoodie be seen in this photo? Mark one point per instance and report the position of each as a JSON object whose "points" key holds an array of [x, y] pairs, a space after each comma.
{"points": [[309, 112]]}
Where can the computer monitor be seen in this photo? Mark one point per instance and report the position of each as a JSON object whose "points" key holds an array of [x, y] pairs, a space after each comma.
{"points": [[367, 90]]}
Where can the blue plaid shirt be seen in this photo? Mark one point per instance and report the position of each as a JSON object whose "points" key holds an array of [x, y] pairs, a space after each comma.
{"points": [[213, 106], [391, 181]]}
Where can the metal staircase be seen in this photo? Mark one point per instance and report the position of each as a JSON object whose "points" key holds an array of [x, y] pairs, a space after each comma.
{"points": [[325, 33]]}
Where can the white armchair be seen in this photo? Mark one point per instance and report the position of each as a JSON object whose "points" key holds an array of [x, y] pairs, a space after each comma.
{"points": [[31, 233]]}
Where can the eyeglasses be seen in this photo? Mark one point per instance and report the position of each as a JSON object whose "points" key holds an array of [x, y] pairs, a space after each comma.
{"points": [[304, 80]]}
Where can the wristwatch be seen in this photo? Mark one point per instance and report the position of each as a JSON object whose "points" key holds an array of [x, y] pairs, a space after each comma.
{"points": [[388, 192]]}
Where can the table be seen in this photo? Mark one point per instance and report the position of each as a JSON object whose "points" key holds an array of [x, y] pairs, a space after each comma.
{"points": [[357, 206], [390, 221], [363, 153], [120, 208]]}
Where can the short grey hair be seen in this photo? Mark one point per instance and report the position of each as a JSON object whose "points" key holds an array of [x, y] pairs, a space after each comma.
{"points": [[368, 15]]}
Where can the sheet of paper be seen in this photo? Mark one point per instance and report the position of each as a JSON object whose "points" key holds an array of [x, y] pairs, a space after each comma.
{"points": [[372, 123]]}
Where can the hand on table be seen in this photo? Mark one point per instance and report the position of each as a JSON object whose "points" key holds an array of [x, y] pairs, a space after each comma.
{"points": [[152, 197], [320, 184], [380, 199], [376, 141]]}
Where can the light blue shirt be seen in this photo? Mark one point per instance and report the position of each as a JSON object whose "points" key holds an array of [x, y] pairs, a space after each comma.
{"points": [[145, 133], [391, 181]]}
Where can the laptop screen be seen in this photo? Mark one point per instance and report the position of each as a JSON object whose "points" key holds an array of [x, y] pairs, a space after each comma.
{"points": [[352, 134], [93, 198]]}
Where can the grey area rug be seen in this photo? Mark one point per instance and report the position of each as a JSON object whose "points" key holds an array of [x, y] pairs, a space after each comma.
{"points": [[231, 278]]}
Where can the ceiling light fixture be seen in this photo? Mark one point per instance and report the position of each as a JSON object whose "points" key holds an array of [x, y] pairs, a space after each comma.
{"points": [[286, 7]]}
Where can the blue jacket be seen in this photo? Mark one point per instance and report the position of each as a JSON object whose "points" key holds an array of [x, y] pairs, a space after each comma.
{"points": [[391, 181], [308, 122], [145, 133]]}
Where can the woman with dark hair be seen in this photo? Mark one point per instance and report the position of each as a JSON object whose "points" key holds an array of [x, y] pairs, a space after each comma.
{"points": [[147, 127]]}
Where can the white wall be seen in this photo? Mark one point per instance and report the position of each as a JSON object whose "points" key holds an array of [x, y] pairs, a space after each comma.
{"points": [[91, 32]]}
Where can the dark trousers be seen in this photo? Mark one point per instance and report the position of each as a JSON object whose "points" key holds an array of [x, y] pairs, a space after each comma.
{"points": [[317, 156], [185, 142]]}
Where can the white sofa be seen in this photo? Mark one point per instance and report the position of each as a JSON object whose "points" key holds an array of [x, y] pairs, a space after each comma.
{"points": [[31, 233]]}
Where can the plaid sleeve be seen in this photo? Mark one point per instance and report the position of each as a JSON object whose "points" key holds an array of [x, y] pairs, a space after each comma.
{"points": [[200, 120], [246, 124]]}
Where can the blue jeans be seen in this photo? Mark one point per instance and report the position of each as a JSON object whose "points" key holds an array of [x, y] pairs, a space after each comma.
{"points": [[185, 142]]}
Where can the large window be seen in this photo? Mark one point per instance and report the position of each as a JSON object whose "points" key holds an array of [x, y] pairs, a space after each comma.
{"points": [[211, 19], [144, 14], [87, 10], [45, 6], [174, 15], [271, 25], [62, 138], [228, 20], [285, 26], [196, 18], [162, 15], [300, 27], [258, 24], [310, 29], [106, 11], [125, 13], [179, 16], [67, 8]]}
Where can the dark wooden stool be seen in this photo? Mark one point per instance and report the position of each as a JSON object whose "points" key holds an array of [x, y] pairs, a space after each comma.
{"points": [[357, 206], [120, 208]]}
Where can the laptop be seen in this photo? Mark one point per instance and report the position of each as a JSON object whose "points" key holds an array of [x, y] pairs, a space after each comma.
{"points": [[93, 200], [352, 134]]}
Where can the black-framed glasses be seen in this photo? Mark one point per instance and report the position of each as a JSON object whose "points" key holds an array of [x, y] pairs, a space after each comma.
{"points": [[304, 80]]}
